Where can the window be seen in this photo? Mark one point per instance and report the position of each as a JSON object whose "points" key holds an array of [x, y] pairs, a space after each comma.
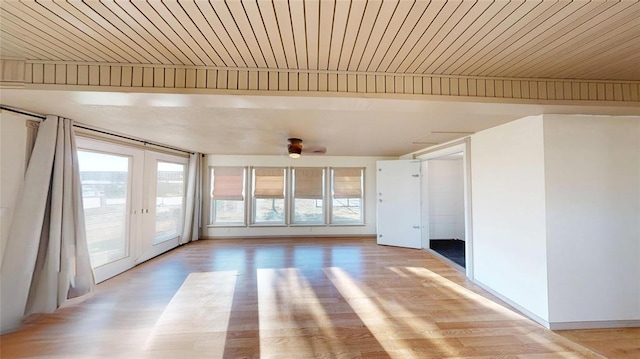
{"points": [[105, 180], [169, 200], [268, 196], [227, 195], [347, 186], [308, 195]]}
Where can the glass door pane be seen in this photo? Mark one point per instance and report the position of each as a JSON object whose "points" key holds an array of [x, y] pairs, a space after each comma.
{"points": [[169, 200], [105, 182]]}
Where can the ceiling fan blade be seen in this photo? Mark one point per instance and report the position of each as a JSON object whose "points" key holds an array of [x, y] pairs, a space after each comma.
{"points": [[319, 150]]}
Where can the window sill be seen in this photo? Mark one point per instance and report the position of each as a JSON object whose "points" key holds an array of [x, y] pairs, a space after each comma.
{"points": [[226, 225], [280, 225], [308, 225], [268, 225]]}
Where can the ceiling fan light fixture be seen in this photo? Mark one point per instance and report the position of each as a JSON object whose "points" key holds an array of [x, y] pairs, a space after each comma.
{"points": [[294, 147]]}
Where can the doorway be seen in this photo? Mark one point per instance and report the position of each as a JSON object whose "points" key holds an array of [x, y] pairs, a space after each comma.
{"points": [[134, 203], [446, 208]]}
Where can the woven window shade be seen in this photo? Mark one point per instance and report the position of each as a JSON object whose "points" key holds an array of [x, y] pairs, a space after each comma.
{"points": [[308, 183], [269, 183], [228, 183], [347, 183]]}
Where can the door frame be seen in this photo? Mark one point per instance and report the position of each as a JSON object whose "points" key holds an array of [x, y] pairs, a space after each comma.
{"points": [[463, 145]]}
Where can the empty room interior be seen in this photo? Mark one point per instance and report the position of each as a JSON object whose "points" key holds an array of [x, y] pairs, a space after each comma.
{"points": [[319, 179]]}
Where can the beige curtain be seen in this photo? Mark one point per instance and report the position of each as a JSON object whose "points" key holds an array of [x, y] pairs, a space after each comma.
{"points": [[46, 260], [347, 183], [269, 183], [228, 183], [308, 183], [191, 229]]}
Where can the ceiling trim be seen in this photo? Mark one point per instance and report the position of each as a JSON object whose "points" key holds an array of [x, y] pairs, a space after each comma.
{"points": [[118, 77]]}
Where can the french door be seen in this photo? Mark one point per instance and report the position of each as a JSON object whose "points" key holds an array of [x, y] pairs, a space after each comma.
{"points": [[165, 184], [133, 203]]}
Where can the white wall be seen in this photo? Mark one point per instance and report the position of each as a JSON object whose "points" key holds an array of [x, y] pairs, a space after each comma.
{"points": [[592, 169], [446, 199], [310, 161], [508, 199], [556, 213], [13, 144]]}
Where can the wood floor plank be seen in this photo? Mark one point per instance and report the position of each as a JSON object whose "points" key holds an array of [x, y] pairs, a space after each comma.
{"points": [[298, 298]]}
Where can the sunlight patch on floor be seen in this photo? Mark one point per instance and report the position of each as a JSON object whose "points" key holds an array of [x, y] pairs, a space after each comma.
{"points": [[386, 319], [196, 319], [288, 304], [442, 282], [562, 348]]}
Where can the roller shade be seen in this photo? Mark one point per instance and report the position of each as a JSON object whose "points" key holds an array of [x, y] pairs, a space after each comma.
{"points": [[268, 183], [308, 183], [228, 183], [347, 183]]}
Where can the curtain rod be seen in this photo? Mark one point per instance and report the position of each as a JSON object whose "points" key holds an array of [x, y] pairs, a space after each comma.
{"points": [[10, 109]]}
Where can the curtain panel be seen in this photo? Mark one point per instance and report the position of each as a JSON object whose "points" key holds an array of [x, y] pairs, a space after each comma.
{"points": [[46, 260], [193, 206]]}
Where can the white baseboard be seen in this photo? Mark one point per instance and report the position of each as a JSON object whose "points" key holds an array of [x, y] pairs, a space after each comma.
{"points": [[604, 324], [516, 306], [336, 236]]}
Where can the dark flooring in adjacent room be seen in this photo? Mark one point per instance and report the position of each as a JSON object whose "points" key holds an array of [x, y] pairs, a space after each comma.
{"points": [[452, 249]]}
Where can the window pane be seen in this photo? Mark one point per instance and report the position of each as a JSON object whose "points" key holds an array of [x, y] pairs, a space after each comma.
{"points": [[308, 193], [308, 211], [269, 210], [347, 186], [346, 211], [227, 195], [228, 212], [169, 200], [105, 183]]}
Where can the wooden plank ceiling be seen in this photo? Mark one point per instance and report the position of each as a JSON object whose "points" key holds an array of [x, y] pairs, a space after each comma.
{"points": [[598, 40]]}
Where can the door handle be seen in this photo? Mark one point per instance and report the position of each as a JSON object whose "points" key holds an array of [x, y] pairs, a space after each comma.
{"points": [[416, 227]]}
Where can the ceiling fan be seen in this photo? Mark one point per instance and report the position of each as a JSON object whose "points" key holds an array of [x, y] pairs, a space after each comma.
{"points": [[296, 148]]}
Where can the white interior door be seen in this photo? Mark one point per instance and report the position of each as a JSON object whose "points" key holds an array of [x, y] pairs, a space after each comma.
{"points": [[398, 208]]}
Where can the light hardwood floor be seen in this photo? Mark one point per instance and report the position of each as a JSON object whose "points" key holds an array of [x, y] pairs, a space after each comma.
{"points": [[298, 298]]}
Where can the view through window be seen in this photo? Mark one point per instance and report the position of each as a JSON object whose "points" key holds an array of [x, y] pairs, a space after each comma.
{"points": [[105, 185], [228, 195], [169, 200]]}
